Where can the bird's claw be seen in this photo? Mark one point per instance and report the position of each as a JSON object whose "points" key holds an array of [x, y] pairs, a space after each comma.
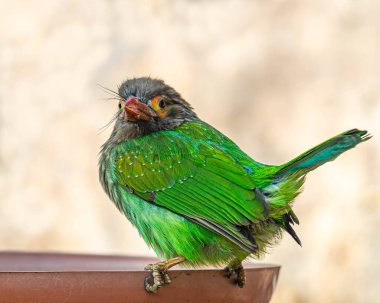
{"points": [[159, 274], [228, 272], [238, 272]]}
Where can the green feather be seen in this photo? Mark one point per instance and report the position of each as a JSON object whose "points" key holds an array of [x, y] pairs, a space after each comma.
{"points": [[191, 191], [324, 152], [177, 177]]}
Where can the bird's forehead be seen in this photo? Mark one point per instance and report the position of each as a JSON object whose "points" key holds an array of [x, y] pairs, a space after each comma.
{"points": [[142, 89]]}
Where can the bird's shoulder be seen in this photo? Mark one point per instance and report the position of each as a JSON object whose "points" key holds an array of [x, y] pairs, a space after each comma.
{"points": [[159, 160]]}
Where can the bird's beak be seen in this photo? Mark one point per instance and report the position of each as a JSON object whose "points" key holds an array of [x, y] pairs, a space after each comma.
{"points": [[136, 110]]}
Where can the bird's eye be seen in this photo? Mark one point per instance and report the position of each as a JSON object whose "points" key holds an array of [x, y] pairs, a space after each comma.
{"points": [[161, 103]]}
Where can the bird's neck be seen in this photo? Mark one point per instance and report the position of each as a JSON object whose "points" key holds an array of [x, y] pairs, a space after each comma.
{"points": [[124, 131]]}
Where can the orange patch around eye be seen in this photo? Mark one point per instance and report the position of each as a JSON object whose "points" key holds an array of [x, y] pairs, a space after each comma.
{"points": [[155, 103], [160, 111]]}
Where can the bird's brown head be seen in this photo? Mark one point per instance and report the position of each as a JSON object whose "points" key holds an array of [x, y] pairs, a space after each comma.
{"points": [[147, 105]]}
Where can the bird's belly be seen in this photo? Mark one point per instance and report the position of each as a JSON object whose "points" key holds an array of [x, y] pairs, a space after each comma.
{"points": [[171, 235]]}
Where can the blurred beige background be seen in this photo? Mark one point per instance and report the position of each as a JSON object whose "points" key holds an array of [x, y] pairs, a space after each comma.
{"points": [[276, 76]]}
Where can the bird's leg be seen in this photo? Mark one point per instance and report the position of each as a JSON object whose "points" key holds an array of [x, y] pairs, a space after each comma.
{"points": [[236, 269], [160, 273]]}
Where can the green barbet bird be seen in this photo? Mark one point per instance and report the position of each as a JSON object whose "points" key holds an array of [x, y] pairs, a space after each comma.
{"points": [[194, 196]]}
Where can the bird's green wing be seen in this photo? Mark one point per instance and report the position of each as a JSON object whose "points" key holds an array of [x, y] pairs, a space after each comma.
{"points": [[192, 176]]}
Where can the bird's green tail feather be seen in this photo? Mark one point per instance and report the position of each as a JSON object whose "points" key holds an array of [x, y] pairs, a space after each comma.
{"points": [[324, 152], [287, 181]]}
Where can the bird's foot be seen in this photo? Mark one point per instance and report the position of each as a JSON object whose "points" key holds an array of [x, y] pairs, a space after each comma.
{"points": [[237, 272], [160, 274]]}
